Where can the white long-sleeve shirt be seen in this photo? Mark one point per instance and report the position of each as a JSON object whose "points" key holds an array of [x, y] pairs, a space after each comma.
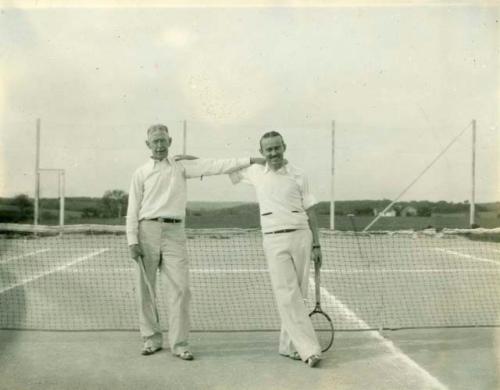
{"points": [[283, 195], [158, 188]]}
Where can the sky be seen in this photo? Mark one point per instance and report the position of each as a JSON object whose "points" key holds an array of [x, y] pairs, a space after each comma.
{"points": [[397, 82]]}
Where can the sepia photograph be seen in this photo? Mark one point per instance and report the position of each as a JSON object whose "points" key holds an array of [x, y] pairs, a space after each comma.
{"points": [[258, 195]]}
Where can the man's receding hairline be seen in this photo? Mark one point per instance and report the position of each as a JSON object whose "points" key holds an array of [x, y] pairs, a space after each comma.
{"points": [[271, 134], [156, 128]]}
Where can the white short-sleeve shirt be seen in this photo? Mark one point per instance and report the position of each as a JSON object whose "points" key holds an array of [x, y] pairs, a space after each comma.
{"points": [[283, 195]]}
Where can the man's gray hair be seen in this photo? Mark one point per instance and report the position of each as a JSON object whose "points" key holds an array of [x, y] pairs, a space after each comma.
{"points": [[157, 127]]}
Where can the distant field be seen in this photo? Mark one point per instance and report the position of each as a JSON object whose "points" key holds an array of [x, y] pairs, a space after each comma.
{"points": [[246, 215], [199, 205], [344, 222], [227, 220], [453, 221]]}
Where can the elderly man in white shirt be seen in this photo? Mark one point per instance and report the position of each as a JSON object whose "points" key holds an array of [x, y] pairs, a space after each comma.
{"points": [[155, 235], [290, 240]]}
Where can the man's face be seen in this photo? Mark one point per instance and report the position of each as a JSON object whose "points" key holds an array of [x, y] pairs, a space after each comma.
{"points": [[159, 142], [273, 149]]}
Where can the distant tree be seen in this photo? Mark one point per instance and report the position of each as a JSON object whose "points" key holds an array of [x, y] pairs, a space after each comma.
{"points": [[424, 211], [323, 208], [90, 212], [480, 207], [48, 215], [363, 211], [448, 208], [25, 205], [114, 203]]}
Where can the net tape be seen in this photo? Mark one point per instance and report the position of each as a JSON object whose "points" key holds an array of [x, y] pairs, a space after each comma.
{"points": [[81, 278]]}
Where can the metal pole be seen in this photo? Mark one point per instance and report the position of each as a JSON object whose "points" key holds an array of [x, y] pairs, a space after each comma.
{"points": [[37, 174], [473, 190], [332, 181], [61, 197], [184, 136]]}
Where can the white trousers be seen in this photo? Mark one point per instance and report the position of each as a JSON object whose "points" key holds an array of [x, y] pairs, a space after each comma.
{"points": [[288, 257], [164, 247]]}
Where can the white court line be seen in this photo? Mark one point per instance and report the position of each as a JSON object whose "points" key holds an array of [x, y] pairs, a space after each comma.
{"points": [[196, 271], [431, 381], [227, 271], [60, 268], [465, 256], [410, 271], [24, 255]]}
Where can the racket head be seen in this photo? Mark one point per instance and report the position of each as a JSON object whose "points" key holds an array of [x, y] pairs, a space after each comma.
{"points": [[323, 327]]}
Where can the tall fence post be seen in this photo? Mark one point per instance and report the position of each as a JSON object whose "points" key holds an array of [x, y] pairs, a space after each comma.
{"points": [[332, 181], [472, 218]]}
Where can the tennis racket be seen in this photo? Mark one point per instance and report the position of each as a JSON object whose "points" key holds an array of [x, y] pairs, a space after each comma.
{"points": [[149, 287], [322, 324]]}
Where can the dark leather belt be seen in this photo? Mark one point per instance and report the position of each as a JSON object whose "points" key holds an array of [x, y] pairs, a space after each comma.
{"points": [[282, 231], [166, 220]]}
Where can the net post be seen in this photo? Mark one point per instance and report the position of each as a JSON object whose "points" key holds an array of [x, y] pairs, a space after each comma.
{"points": [[332, 181], [184, 136], [61, 198], [473, 178], [37, 174]]}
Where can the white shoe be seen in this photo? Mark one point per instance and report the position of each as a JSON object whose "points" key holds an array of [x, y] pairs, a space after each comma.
{"points": [[186, 355], [313, 360]]}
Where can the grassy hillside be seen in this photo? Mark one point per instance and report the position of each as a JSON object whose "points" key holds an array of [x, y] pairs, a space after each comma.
{"points": [[246, 215]]}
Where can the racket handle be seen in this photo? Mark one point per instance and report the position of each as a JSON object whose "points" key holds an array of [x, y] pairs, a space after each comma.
{"points": [[317, 283]]}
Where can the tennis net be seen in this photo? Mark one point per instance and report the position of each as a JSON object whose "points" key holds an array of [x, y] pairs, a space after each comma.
{"points": [[81, 278]]}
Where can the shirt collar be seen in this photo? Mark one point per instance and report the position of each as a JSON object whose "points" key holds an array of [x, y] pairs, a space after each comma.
{"points": [[283, 170], [155, 162]]}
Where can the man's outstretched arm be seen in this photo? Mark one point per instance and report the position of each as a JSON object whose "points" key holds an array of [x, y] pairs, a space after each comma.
{"points": [[209, 167]]}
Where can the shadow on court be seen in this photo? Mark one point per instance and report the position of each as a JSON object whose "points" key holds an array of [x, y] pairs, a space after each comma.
{"points": [[461, 358]]}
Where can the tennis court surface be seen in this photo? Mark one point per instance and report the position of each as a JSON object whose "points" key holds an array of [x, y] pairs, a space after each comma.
{"points": [[69, 315]]}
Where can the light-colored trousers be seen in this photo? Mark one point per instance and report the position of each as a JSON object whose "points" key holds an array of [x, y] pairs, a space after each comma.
{"points": [[288, 257], [164, 246]]}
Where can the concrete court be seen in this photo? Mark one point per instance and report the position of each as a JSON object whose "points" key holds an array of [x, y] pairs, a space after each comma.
{"points": [[459, 358]]}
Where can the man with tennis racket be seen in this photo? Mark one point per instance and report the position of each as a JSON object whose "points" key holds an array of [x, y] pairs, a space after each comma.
{"points": [[156, 237], [290, 241]]}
